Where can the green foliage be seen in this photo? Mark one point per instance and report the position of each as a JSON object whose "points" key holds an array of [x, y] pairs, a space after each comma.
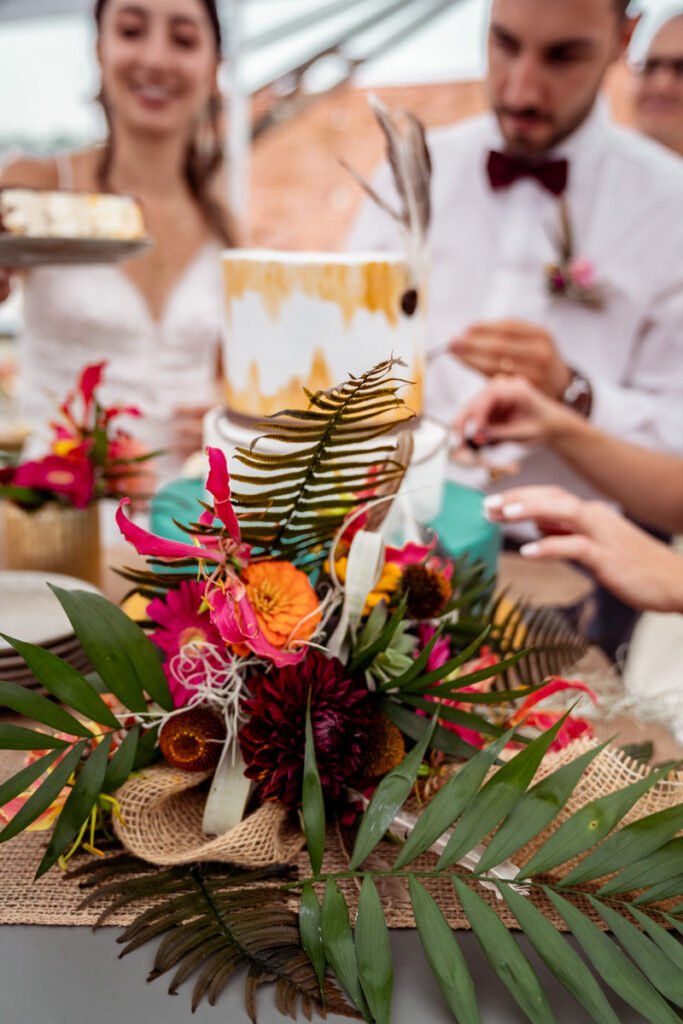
{"points": [[549, 644], [635, 955], [128, 665], [211, 920], [328, 455]]}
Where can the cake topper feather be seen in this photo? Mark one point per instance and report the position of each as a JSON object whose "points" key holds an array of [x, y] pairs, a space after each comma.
{"points": [[411, 167]]}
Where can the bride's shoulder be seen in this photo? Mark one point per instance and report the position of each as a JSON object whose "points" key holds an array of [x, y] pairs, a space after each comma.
{"points": [[64, 170]]}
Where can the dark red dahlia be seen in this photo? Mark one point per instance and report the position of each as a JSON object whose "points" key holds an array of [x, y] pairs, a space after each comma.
{"points": [[273, 739]]}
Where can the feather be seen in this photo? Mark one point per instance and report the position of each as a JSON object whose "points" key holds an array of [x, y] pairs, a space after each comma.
{"points": [[411, 168]]}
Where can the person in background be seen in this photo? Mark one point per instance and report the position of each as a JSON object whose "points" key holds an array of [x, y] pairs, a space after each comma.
{"points": [[658, 79], [647, 485], [637, 568], [556, 252], [610, 342], [156, 318]]}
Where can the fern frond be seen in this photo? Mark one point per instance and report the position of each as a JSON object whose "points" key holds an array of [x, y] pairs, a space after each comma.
{"points": [[329, 457], [209, 920]]}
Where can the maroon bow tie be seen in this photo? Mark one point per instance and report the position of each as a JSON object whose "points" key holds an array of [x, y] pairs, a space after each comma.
{"points": [[503, 170]]}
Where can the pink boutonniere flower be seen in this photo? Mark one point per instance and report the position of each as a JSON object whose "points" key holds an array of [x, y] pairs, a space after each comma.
{"points": [[572, 277]]}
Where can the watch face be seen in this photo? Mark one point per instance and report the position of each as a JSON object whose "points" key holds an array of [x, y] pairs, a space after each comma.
{"points": [[579, 395]]}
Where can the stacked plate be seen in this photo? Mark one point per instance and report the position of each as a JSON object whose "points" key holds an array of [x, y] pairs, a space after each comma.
{"points": [[30, 611]]}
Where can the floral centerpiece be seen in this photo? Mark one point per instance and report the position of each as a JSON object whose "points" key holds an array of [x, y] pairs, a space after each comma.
{"points": [[49, 513], [360, 689]]}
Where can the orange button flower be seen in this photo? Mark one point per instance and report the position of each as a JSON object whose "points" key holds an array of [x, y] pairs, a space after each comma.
{"points": [[284, 602]]}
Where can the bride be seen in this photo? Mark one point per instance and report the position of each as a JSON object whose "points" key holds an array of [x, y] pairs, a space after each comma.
{"points": [[155, 318]]}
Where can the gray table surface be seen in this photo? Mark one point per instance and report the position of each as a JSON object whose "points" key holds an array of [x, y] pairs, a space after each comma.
{"points": [[72, 976]]}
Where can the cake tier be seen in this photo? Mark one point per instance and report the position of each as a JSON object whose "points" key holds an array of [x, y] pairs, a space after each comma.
{"points": [[422, 488], [32, 213], [307, 320]]}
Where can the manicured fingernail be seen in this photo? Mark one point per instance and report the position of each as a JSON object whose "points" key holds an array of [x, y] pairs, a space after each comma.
{"points": [[513, 510], [530, 550], [493, 502]]}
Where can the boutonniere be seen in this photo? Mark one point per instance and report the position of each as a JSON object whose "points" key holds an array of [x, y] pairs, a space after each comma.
{"points": [[572, 277]]}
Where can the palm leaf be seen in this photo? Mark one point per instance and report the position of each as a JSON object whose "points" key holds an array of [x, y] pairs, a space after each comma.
{"points": [[128, 664], [639, 961], [328, 458], [209, 920]]}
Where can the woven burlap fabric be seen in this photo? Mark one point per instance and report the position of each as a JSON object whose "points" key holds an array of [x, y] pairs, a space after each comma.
{"points": [[161, 822], [175, 802]]}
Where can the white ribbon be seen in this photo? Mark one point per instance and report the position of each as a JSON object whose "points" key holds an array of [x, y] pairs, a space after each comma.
{"points": [[363, 570], [228, 794]]}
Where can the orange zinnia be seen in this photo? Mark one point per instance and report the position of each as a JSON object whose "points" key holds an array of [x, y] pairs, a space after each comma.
{"points": [[284, 602]]}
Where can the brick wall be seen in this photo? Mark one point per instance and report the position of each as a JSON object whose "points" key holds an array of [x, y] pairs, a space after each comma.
{"points": [[303, 199]]}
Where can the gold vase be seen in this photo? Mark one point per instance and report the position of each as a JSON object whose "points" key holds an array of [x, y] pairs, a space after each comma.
{"points": [[53, 538]]}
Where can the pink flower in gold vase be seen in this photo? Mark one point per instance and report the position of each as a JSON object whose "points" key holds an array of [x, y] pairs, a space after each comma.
{"points": [[73, 478], [126, 470]]}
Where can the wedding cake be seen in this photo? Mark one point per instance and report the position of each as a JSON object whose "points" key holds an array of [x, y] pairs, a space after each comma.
{"points": [[33, 213], [296, 321]]}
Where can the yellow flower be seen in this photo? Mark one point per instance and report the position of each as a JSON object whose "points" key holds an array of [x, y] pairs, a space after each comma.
{"points": [[65, 446], [387, 584]]}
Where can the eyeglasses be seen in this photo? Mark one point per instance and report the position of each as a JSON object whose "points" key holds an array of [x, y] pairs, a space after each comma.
{"points": [[652, 65]]}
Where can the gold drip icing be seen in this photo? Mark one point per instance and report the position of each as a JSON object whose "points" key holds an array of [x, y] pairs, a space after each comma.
{"points": [[376, 286], [252, 403]]}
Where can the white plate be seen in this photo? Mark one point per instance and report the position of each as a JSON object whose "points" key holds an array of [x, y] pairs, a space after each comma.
{"points": [[30, 611], [22, 251]]}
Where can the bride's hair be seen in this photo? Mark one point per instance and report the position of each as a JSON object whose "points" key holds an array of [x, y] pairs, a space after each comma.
{"points": [[204, 158]]}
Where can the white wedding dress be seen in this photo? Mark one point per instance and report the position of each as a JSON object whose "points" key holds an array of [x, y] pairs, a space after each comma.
{"points": [[83, 314]]}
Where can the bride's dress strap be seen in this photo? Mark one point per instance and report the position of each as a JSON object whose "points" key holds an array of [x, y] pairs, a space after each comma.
{"points": [[65, 172]]}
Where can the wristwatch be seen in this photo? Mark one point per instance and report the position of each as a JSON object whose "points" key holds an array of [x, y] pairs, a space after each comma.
{"points": [[578, 394]]}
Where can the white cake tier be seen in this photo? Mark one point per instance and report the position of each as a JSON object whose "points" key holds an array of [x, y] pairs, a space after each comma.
{"points": [[422, 488], [307, 320]]}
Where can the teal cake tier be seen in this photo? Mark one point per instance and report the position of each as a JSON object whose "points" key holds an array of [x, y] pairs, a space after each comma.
{"points": [[461, 526]]}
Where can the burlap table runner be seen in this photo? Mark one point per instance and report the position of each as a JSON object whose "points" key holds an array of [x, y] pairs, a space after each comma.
{"points": [[53, 900]]}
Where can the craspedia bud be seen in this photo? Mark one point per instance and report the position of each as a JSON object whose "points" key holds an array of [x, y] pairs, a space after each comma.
{"points": [[193, 740], [428, 591]]}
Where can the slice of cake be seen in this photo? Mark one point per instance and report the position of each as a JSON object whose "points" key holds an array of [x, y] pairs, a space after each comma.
{"points": [[34, 213]]}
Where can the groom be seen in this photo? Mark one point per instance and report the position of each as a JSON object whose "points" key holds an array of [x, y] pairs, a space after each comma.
{"points": [[557, 238]]}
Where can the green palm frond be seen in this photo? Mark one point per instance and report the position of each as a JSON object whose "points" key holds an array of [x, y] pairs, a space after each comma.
{"points": [[209, 920], [327, 455], [615, 887], [128, 665]]}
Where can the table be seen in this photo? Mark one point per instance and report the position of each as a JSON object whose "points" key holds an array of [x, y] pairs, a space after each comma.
{"points": [[70, 976], [56, 975]]}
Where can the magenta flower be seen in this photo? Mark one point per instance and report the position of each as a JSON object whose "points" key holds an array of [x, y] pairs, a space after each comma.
{"points": [[225, 592], [73, 478], [182, 620], [441, 652]]}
